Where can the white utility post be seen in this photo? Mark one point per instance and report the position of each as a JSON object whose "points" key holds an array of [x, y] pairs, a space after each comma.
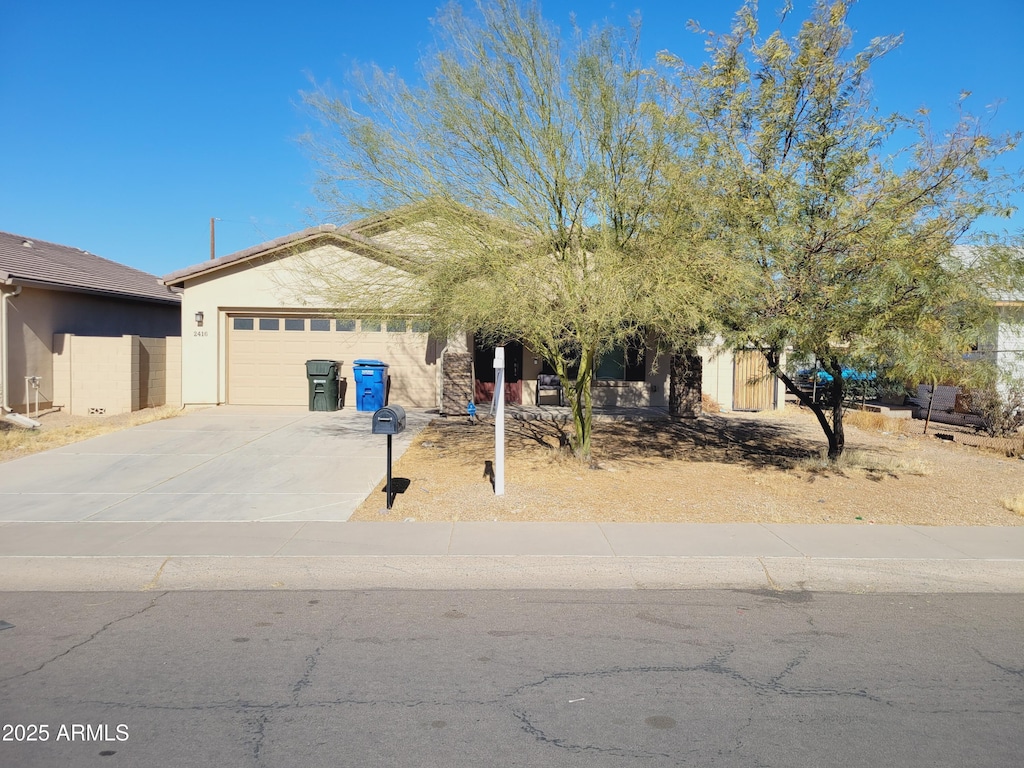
{"points": [[499, 421], [34, 382]]}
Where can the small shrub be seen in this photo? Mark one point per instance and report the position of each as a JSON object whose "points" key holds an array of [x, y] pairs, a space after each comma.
{"points": [[1015, 504], [709, 404], [1003, 416]]}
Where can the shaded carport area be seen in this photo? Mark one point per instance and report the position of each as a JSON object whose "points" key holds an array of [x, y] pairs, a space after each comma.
{"points": [[224, 464]]}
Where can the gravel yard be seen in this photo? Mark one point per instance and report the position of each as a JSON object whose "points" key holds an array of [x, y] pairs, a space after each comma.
{"points": [[719, 468]]}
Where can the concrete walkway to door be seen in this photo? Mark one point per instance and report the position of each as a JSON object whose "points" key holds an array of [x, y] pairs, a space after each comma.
{"points": [[230, 463]]}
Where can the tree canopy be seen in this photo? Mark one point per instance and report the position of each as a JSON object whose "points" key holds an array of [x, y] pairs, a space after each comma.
{"points": [[530, 166], [841, 219], [553, 190]]}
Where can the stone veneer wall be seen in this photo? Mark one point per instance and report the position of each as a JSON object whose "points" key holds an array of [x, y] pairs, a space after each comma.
{"points": [[456, 383]]}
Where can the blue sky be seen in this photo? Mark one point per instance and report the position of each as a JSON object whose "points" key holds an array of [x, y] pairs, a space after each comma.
{"points": [[124, 126]]}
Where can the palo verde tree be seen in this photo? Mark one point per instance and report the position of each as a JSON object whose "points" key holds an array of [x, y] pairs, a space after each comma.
{"points": [[524, 170], [841, 219], [933, 347]]}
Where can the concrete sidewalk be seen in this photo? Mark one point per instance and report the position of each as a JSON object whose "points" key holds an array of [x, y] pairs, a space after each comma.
{"points": [[256, 498], [331, 555]]}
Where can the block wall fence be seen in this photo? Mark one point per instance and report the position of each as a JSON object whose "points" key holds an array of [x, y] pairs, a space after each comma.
{"points": [[107, 375]]}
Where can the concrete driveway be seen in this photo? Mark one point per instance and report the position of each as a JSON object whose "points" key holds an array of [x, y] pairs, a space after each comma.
{"points": [[230, 463]]}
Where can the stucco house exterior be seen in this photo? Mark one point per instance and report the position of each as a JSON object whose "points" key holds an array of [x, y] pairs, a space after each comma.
{"points": [[248, 330], [79, 323], [1009, 340], [1005, 341], [1002, 341]]}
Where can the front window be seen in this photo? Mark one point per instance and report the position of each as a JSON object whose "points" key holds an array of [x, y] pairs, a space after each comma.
{"points": [[622, 363]]}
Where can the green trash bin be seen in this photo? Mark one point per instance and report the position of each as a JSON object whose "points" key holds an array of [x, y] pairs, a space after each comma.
{"points": [[323, 384]]}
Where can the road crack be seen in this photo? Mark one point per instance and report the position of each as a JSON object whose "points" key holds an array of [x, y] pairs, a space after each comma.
{"points": [[87, 640], [307, 674], [257, 733]]}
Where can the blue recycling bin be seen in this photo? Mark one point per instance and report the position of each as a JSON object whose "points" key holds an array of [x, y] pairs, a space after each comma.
{"points": [[371, 377]]}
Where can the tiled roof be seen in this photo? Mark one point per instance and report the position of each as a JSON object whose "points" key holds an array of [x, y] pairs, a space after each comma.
{"points": [[30, 261]]}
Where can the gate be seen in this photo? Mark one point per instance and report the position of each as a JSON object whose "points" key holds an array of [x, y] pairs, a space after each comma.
{"points": [[753, 387]]}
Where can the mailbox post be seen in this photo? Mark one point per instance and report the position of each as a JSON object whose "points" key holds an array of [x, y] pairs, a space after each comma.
{"points": [[389, 420]]}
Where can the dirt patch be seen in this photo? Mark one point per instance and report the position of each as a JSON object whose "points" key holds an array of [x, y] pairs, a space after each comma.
{"points": [[719, 468]]}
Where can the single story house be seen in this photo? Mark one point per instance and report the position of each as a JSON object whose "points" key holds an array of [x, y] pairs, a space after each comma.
{"points": [[247, 332], [1001, 342], [52, 295]]}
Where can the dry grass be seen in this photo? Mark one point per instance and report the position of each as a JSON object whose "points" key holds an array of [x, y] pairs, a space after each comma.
{"points": [[871, 462], [719, 468], [878, 422], [58, 429]]}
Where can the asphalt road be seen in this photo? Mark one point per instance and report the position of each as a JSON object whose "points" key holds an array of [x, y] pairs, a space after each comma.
{"points": [[511, 678]]}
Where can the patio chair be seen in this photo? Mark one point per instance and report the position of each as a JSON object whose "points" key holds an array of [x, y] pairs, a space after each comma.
{"points": [[548, 383]]}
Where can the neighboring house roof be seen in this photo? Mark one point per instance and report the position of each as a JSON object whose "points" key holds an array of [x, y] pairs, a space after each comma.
{"points": [[27, 261], [346, 237]]}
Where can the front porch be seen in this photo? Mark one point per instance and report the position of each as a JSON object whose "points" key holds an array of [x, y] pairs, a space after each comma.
{"points": [[562, 413]]}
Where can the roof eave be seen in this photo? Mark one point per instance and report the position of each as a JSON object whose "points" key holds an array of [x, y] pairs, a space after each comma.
{"points": [[173, 299], [278, 247], [246, 254]]}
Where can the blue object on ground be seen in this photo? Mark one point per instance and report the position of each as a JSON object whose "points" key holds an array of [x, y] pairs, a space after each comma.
{"points": [[849, 374]]}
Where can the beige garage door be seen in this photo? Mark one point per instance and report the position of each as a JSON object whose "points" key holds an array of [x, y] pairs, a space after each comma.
{"points": [[267, 354]]}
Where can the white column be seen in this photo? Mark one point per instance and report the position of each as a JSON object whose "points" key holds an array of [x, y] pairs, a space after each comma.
{"points": [[499, 421]]}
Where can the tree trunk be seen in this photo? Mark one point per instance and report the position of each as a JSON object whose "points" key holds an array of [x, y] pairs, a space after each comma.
{"points": [[581, 403], [833, 432], [685, 379], [836, 439]]}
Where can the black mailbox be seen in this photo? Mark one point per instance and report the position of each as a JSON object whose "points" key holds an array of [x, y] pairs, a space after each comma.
{"points": [[389, 420]]}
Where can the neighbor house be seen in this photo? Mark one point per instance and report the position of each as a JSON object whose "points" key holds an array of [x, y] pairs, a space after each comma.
{"points": [[1009, 339], [248, 330], [1002, 342], [82, 332]]}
